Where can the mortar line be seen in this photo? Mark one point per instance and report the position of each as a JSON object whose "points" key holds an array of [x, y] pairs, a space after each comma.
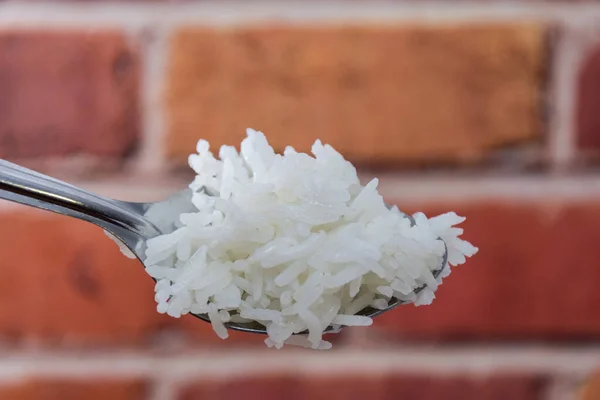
{"points": [[50, 14], [151, 155], [567, 60], [471, 361], [417, 188]]}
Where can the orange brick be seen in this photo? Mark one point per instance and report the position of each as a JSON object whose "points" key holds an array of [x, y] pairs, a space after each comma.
{"points": [[74, 390], [385, 94], [534, 276], [265, 387], [62, 279], [495, 387], [346, 386], [591, 388], [67, 92]]}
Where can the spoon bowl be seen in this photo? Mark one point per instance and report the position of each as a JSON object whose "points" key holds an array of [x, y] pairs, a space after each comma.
{"points": [[130, 222]]}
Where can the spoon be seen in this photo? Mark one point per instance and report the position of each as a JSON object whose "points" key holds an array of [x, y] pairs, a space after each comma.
{"points": [[130, 222]]}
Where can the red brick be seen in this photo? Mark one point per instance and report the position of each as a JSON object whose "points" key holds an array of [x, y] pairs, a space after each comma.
{"points": [[74, 390], [534, 277], [395, 94], [264, 387], [376, 387], [90, 390], [62, 279], [588, 96], [67, 92], [347, 387], [456, 388]]}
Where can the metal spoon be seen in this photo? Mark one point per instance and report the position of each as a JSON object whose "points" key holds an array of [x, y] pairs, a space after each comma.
{"points": [[132, 223]]}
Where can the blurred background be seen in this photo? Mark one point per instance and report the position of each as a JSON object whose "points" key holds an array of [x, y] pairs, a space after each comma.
{"points": [[489, 108]]}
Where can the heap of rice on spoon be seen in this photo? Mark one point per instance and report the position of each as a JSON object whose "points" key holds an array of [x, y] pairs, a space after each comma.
{"points": [[295, 243]]}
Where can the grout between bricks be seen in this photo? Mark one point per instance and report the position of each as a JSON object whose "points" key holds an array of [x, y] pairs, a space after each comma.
{"points": [[151, 157], [563, 387], [475, 361], [565, 63], [137, 16], [163, 389], [397, 188]]}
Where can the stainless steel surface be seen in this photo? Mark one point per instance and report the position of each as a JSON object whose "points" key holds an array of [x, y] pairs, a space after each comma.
{"points": [[132, 223]]}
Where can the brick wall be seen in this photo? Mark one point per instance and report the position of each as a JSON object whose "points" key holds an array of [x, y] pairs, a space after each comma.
{"points": [[488, 108]]}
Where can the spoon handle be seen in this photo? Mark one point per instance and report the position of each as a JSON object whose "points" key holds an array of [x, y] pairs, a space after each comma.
{"points": [[24, 186]]}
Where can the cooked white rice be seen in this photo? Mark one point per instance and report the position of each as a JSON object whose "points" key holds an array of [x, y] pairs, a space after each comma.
{"points": [[124, 249], [295, 243]]}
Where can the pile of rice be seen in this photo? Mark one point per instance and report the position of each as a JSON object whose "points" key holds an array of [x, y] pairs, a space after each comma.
{"points": [[295, 243]]}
